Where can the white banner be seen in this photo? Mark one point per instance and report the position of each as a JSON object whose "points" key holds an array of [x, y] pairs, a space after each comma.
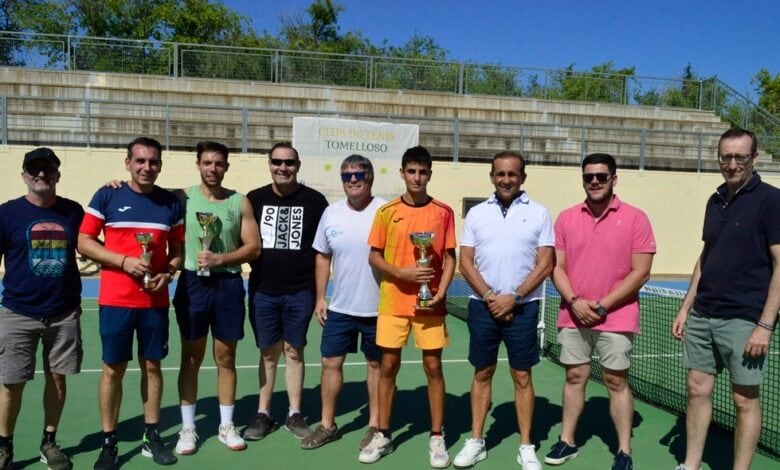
{"points": [[323, 143]]}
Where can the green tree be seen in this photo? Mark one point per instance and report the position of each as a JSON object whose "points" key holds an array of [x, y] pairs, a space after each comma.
{"points": [[768, 87], [603, 83]]}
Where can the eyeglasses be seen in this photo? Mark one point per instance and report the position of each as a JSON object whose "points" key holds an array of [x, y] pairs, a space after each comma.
{"points": [[738, 158], [346, 176], [600, 177], [283, 161]]}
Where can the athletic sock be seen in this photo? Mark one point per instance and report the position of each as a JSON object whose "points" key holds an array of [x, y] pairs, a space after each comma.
{"points": [[188, 415], [49, 437], [226, 414], [109, 439], [293, 411], [150, 430], [386, 433], [7, 442]]}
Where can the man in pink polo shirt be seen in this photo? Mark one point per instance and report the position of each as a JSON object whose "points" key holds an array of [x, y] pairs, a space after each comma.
{"points": [[604, 250]]}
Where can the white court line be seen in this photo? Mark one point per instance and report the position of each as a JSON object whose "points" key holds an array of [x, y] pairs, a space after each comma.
{"points": [[444, 361]]}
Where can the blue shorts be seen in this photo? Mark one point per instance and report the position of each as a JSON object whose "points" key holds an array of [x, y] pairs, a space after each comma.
{"points": [[486, 334], [340, 336], [216, 301], [117, 325], [282, 317]]}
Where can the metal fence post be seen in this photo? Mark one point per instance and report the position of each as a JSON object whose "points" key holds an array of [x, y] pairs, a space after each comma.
{"points": [[642, 147], [244, 130], [4, 123], [68, 53], [88, 109], [582, 143], [522, 137], [456, 140], [461, 85], [626, 84], [175, 60], [747, 114], [701, 93], [167, 127], [698, 156], [371, 73], [277, 68]]}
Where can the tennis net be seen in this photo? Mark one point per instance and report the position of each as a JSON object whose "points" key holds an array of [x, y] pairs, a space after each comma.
{"points": [[657, 375]]}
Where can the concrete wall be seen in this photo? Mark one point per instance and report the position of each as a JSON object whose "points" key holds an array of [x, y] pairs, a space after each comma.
{"points": [[674, 201]]}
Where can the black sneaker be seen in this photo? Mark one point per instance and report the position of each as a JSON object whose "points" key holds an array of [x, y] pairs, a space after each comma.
{"points": [[297, 425], [153, 447], [107, 459], [622, 462], [560, 453], [53, 457], [6, 458], [259, 426]]}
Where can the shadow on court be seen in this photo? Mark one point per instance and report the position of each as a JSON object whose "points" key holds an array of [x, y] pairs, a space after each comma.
{"points": [[718, 451], [502, 424]]}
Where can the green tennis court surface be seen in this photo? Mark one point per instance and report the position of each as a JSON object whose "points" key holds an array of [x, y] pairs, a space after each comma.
{"points": [[658, 436]]}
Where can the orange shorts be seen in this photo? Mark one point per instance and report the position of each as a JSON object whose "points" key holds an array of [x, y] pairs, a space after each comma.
{"points": [[430, 332]]}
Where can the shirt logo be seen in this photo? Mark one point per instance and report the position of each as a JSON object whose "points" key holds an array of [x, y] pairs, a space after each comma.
{"points": [[281, 227], [124, 208], [48, 249], [395, 221]]}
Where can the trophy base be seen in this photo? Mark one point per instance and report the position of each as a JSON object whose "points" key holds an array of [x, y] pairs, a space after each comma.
{"points": [[149, 285], [425, 309], [204, 273], [423, 304]]}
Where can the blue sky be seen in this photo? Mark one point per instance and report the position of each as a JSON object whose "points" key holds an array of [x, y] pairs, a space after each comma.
{"points": [[660, 37]]}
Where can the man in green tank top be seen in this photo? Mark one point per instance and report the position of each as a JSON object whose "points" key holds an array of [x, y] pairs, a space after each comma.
{"points": [[221, 234]]}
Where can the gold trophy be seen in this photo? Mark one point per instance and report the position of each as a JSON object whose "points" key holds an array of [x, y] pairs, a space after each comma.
{"points": [[423, 240], [145, 239], [206, 220]]}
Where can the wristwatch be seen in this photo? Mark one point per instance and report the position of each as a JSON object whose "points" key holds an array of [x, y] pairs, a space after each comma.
{"points": [[517, 298], [601, 310]]}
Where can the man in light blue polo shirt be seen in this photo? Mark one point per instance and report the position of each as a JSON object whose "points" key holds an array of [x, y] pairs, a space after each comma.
{"points": [[506, 253]]}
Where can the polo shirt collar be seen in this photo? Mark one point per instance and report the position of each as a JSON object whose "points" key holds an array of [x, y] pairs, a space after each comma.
{"points": [[614, 205], [522, 198], [723, 190]]}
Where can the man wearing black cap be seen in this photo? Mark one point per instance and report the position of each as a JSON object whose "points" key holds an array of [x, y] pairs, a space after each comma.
{"points": [[41, 299]]}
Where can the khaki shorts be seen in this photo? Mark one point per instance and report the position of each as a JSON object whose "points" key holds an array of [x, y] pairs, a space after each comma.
{"points": [[614, 349], [19, 335], [712, 343], [430, 332]]}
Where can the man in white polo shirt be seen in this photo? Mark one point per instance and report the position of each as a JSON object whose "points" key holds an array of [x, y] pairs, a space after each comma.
{"points": [[506, 252]]}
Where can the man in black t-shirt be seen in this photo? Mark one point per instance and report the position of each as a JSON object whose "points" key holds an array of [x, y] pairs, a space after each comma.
{"points": [[41, 301], [281, 285]]}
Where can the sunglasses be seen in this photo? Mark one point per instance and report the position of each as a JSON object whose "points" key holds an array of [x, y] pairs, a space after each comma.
{"points": [[600, 177], [283, 161], [35, 169], [346, 176], [738, 159]]}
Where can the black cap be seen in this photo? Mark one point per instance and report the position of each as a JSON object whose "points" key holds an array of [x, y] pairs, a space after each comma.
{"points": [[42, 153]]}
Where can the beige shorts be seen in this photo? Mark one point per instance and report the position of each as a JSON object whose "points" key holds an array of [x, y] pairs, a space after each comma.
{"points": [[430, 332], [19, 336], [614, 349]]}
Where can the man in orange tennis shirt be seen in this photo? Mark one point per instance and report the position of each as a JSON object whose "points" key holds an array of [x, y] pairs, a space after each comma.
{"points": [[394, 255]]}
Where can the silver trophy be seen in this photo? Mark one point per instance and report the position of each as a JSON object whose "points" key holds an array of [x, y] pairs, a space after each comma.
{"points": [[206, 220], [145, 239], [423, 240]]}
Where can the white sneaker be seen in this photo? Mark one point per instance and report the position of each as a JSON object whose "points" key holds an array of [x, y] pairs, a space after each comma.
{"points": [[437, 452], [378, 447], [230, 437], [473, 452], [188, 441], [526, 456]]}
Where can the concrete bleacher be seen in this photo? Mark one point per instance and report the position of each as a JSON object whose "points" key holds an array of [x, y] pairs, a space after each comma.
{"points": [[67, 108]]}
